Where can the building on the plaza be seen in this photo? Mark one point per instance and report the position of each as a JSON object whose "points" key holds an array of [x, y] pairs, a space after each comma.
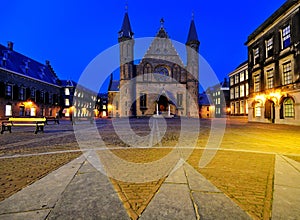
{"points": [[274, 67], [218, 96], [27, 87], [160, 84], [205, 108], [239, 90], [101, 109], [77, 100]]}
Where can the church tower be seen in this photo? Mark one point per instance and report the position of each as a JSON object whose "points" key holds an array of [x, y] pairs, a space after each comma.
{"points": [[192, 48], [126, 45]]}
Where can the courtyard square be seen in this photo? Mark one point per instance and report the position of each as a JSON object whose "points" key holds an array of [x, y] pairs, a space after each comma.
{"points": [[241, 169]]}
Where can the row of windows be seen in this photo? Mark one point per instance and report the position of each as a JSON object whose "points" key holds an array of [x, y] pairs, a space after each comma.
{"points": [[287, 109], [26, 111], [287, 77], [239, 77], [11, 92], [285, 41], [240, 107], [239, 91]]}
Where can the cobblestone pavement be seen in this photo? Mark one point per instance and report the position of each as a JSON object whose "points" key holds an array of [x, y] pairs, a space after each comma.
{"points": [[240, 174]]}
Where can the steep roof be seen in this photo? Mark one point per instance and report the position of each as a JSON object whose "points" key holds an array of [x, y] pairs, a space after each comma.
{"points": [[126, 30], [23, 65], [162, 48], [114, 86], [192, 36]]}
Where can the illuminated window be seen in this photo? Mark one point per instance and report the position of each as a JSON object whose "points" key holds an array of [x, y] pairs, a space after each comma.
{"points": [[242, 90], [269, 47], [237, 92], [256, 55], [287, 73], [257, 112], [257, 83], [67, 102], [8, 110], [270, 78], [236, 78], [67, 91], [242, 76], [246, 74], [289, 108], [232, 93], [242, 107], [231, 80], [247, 89], [237, 108], [104, 107], [286, 36], [32, 111]]}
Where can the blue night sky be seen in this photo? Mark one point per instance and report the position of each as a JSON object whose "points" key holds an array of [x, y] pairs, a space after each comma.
{"points": [[71, 33]]}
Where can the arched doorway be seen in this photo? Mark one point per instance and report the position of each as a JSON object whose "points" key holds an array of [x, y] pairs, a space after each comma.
{"points": [[163, 103], [270, 110]]}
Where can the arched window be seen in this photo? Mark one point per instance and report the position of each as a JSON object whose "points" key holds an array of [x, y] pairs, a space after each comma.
{"points": [[289, 108]]}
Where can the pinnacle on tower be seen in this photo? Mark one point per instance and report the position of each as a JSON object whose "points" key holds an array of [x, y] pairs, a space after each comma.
{"points": [[192, 36], [126, 32]]}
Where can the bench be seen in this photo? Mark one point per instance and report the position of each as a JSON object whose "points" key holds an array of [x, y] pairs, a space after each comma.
{"points": [[52, 118], [38, 123]]}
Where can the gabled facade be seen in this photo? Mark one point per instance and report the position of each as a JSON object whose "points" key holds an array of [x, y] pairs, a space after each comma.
{"points": [[239, 90], [160, 84], [27, 87], [274, 67]]}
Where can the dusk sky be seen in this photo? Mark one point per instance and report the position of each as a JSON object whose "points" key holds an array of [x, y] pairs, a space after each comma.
{"points": [[71, 33]]}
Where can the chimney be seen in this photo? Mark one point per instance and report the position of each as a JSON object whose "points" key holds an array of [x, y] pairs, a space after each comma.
{"points": [[10, 45], [47, 62]]}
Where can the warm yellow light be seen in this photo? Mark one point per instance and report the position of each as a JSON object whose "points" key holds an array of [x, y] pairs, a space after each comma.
{"points": [[260, 98], [228, 109], [109, 107], [276, 95]]}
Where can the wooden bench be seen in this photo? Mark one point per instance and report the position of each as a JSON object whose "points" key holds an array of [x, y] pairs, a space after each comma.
{"points": [[39, 123], [52, 118]]}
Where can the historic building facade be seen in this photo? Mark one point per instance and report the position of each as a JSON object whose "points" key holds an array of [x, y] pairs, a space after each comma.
{"points": [[27, 87], [274, 67], [160, 84], [239, 90], [218, 96]]}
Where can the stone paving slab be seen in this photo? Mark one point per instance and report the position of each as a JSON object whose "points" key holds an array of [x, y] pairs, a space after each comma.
{"points": [[171, 202], [286, 196], [90, 195], [32, 215], [44, 193]]}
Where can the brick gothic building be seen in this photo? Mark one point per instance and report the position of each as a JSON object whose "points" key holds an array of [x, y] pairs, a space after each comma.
{"points": [[160, 83], [274, 67]]}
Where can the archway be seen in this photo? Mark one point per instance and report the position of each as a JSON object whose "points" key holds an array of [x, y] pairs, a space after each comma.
{"points": [[270, 110], [163, 103]]}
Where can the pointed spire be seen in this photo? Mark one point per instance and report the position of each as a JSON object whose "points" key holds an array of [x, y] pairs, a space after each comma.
{"points": [[192, 36], [162, 32], [126, 31]]}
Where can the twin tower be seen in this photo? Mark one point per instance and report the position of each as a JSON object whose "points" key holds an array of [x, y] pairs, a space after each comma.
{"points": [[160, 85]]}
